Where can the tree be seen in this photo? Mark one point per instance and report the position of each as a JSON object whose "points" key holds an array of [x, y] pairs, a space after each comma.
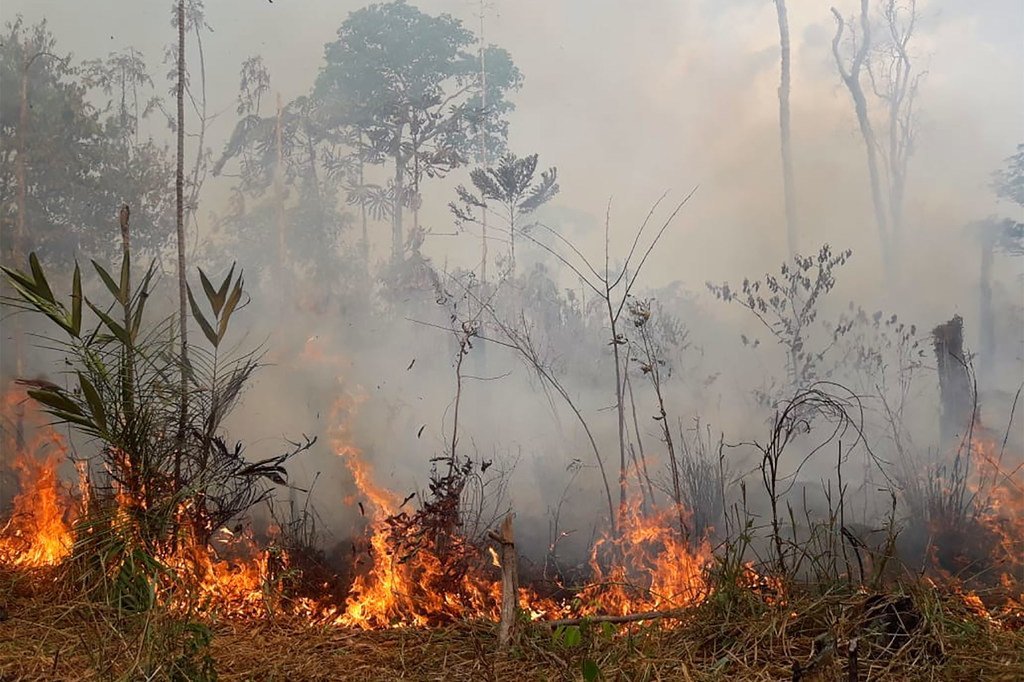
{"points": [[66, 165], [894, 82], [994, 234], [850, 72], [1008, 182], [179, 221], [404, 80], [511, 186], [139, 170], [896, 85], [292, 153], [789, 191]]}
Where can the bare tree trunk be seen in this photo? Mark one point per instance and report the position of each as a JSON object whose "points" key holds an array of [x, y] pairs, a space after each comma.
{"points": [[18, 241], [282, 247], [362, 213], [986, 315], [483, 148], [19, 164], [620, 407], [899, 92], [397, 240], [788, 187], [851, 78], [16, 247], [179, 196]]}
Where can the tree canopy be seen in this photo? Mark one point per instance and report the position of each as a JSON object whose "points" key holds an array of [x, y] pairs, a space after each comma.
{"points": [[68, 164]]}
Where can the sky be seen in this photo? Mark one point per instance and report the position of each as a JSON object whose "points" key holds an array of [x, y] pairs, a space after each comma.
{"points": [[630, 100]]}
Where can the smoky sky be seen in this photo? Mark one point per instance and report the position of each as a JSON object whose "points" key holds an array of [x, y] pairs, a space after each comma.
{"points": [[629, 100], [632, 99]]}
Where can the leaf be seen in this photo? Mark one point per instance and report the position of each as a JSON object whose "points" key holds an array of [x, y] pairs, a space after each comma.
{"points": [[198, 314], [20, 278], [573, 636], [42, 286], [223, 291], [76, 302], [55, 400], [92, 397], [590, 670], [117, 330], [211, 294], [229, 307], [141, 303], [114, 289]]}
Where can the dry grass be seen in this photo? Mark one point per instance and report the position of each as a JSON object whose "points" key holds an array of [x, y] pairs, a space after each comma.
{"points": [[921, 635]]}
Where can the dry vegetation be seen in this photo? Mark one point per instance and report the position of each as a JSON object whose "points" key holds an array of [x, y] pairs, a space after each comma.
{"points": [[923, 634]]}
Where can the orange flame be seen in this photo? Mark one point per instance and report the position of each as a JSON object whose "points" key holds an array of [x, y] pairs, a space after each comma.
{"points": [[647, 567], [37, 534]]}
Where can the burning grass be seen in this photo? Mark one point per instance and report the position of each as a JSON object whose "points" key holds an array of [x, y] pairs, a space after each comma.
{"points": [[922, 632], [752, 628], [125, 581], [422, 601]]}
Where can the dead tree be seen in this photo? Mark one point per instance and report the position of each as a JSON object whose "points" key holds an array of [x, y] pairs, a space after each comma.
{"points": [[788, 189], [850, 72], [894, 82], [955, 391], [987, 239]]}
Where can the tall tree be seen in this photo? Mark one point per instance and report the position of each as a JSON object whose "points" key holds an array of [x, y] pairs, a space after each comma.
{"points": [[850, 72], [895, 83], [406, 79], [788, 188], [284, 198], [66, 165], [179, 218], [994, 234]]}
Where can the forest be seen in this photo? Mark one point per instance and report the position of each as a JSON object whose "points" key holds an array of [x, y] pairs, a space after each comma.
{"points": [[437, 340]]}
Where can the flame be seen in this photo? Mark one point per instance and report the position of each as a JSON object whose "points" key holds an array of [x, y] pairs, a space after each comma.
{"points": [[647, 566], [395, 590], [1000, 485], [37, 534], [238, 586]]}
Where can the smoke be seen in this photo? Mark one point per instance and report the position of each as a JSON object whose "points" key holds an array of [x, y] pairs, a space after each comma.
{"points": [[628, 101]]}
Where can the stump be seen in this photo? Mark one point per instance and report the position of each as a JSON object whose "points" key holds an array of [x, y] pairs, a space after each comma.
{"points": [[955, 389], [507, 627]]}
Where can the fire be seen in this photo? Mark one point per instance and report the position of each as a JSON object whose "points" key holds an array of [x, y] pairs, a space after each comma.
{"points": [[37, 533], [648, 566], [399, 590], [1000, 487], [238, 586]]}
